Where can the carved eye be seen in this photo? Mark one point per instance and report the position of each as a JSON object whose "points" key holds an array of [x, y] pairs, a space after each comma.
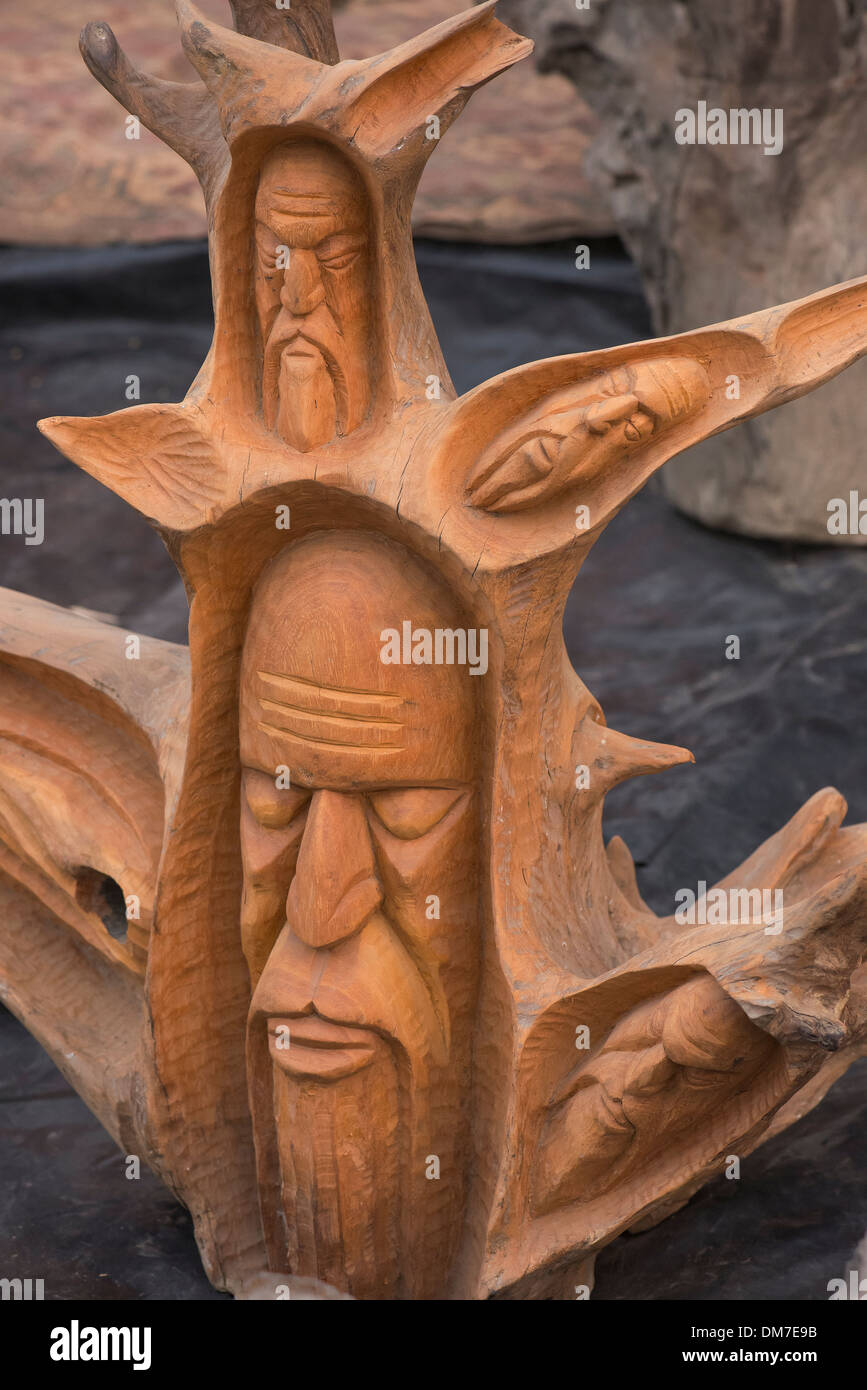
{"points": [[413, 811], [540, 454], [338, 252], [617, 382], [639, 426], [266, 247], [700, 1079], [623, 412], [272, 806]]}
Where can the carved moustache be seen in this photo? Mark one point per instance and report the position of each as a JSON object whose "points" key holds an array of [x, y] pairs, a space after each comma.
{"points": [[347, 1009]]}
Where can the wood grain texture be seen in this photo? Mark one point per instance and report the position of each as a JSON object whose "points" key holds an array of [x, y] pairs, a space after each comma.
{"points": [[407, 1027]]}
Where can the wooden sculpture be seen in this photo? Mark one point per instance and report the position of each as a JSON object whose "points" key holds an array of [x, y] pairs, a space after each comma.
{"points": [[387, 1012]]}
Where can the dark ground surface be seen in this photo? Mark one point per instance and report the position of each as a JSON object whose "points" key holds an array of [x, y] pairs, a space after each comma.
{"points": [[646, 627]]}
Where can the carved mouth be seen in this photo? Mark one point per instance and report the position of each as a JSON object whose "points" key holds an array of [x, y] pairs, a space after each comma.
{"points": [[297, 344], [306, 1045], [301, 347]]}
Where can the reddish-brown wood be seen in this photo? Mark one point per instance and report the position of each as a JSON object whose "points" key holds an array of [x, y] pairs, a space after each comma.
{"points": [[406, 1025]]}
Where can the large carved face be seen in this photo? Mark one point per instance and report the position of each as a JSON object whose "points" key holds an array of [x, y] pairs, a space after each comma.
{"points": [[360, 921], [312, 294]]}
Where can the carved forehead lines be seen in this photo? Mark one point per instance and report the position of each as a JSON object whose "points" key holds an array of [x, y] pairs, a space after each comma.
{"points": [[314, 713], [310, 179], [320, 684]]}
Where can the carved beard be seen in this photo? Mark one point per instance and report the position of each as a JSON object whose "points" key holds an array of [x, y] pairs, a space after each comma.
{"points": [[340, 1177], [306, 414], [351, 1204]]}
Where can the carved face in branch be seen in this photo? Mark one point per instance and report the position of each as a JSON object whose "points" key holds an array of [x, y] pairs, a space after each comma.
{"points": [[584, 431], [312, 294], [359, 918], [667, 1069]]}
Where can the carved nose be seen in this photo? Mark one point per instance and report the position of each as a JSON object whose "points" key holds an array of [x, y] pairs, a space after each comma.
{"points": [[603, 414], [302, 290], [649, 1072], [335, 888]]}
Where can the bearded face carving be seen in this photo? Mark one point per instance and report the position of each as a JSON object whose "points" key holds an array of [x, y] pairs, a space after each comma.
{"points": [[312, 294], [360, 920]]}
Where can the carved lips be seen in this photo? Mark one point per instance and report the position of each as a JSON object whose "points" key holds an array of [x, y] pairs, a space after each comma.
{"points": [[307, 1045]]}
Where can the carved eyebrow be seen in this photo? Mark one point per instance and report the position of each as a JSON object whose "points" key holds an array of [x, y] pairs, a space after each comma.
{"points": [[350, 237], [302, 204]]}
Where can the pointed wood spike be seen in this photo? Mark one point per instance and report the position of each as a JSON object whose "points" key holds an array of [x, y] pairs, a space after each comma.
{"points": [[156, 457], [433, 74], [793, 849], [614, 757], [180, 113], [622, 867], [228, 62]]}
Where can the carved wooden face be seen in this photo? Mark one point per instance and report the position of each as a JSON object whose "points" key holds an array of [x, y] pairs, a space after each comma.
{"points": [[312, 279], [668, 1068], [577, 434], [360, 920]]}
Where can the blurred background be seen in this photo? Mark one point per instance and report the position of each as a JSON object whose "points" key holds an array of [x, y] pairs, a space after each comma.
{"points": [[103, 274]]}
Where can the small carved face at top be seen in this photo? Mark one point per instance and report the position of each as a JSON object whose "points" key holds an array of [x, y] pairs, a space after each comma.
{"points": [[360, 914], [666, 1071], [615, 414], [312, 294]]}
